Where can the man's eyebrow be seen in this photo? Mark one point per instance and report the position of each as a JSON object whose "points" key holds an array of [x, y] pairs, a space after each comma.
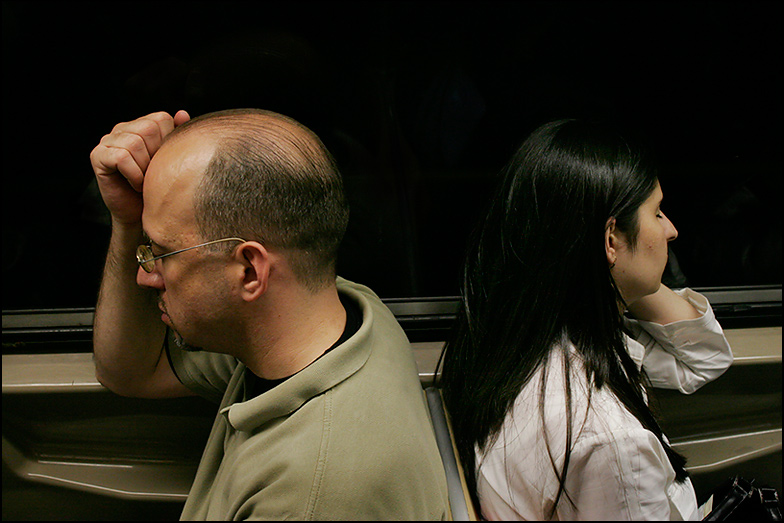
{"points": [[149, 241]]}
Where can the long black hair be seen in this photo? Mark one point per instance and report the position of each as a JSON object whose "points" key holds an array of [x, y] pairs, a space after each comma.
{"points": [[536, 273]]}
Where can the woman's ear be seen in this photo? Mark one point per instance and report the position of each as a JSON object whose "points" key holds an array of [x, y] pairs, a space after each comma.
{"points": [[611, 242], [256, 264]]}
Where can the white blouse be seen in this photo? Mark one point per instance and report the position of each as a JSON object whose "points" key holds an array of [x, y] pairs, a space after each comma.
{"points": [[618, 470]]}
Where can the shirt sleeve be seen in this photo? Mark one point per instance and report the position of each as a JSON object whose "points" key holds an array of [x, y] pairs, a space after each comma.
{"points": [[682, 355], [205, 373]]}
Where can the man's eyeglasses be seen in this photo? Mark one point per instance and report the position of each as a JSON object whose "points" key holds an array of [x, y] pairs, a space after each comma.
{"points": [[146, 258]]}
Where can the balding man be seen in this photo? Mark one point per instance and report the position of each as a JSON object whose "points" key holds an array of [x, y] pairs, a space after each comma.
{"points": [[220, 281]]}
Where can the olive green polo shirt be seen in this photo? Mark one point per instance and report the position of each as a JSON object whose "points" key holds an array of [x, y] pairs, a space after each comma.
{"points": [[348, 437]]}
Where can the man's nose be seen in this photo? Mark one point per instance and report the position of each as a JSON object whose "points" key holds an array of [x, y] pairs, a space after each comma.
{"points": [[152, 280]]}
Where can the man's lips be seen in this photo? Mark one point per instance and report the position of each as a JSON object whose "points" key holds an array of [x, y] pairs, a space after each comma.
{"points": [[162, 307]]}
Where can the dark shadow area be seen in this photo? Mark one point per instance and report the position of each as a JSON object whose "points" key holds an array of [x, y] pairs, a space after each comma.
{"points": [[421, 104]]}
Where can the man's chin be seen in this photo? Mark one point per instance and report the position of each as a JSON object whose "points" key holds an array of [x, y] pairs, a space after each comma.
{"points": [[183, 345]]}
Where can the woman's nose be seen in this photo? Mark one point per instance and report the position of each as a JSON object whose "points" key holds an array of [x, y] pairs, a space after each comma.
{"points": [[672, 232]]}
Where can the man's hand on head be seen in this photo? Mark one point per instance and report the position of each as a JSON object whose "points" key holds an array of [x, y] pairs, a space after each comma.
{"points": [[121, 159]]}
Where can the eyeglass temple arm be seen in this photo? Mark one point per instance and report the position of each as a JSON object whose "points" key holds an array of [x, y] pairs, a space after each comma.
{"points": [[195, 247]]}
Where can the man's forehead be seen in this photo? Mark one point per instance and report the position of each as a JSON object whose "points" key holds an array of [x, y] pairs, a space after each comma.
{"points": [[170, 185]]}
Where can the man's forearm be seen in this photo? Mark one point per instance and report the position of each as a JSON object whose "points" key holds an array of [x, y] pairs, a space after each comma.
{"points": [[127, 332]]}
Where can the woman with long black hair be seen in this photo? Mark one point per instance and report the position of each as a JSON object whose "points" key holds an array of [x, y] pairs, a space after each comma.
{"points": [[563, 325]]}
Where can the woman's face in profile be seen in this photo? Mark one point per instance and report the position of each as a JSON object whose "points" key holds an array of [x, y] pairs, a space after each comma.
{"points": [[638, 272]]}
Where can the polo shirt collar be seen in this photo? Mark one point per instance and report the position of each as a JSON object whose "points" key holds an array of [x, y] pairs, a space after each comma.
{"points": [[330, 369]]}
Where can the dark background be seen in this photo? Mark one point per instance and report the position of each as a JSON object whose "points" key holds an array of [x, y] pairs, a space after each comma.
{"points": [[421, 103]]}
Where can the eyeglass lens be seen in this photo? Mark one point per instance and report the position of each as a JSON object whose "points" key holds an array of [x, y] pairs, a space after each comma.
{"points": [[145, 257]]}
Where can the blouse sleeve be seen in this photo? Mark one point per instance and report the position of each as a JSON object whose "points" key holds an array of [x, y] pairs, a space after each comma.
{"points": [[682, 355], [623, 476]]}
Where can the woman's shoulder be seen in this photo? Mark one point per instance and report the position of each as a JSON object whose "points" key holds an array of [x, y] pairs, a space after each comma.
{"points": [[595, 411]]}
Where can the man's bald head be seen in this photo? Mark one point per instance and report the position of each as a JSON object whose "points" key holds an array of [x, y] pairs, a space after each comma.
{"points": [[271, 179]]}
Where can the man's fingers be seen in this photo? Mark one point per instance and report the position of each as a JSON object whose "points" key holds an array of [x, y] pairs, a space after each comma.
{"points": [[133, 143], [130, 169], [181, 117], [108, 161], [152, 129], [130, 146]]}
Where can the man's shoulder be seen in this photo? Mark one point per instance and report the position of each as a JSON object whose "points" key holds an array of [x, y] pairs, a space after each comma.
{"points": [[343, 284], [374, 311], [360, 293], [332, 456]]}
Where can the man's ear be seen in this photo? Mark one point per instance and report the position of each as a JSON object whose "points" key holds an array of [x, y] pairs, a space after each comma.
{"points": [[256, 264], [611, 242]]}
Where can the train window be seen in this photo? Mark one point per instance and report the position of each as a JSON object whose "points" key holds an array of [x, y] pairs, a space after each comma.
{"points": [[421, 103]]}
